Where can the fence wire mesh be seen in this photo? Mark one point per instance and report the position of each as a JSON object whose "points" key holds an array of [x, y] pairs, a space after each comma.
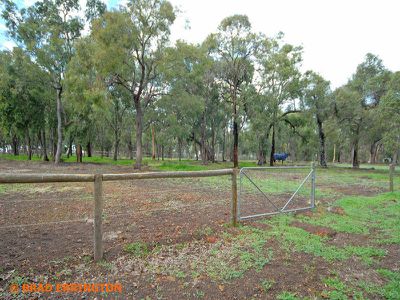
{"points": [[163, 211], [266, 191], [55, 220]]}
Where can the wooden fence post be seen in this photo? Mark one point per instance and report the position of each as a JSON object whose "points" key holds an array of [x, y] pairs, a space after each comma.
{"points": [[391, 175], [98, 211], [234, 214]]}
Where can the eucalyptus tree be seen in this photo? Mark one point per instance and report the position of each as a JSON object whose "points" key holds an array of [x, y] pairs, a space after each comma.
{"points": [[234, 47], [47, 29], [355, 101], [129, 52], [90, 97], [317, 99], [278, 84], [390, 116], [22, 98]]}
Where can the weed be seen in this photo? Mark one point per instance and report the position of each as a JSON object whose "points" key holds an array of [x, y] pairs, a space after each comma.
{"points": [[266, 285], [137, 249], [86, 259], [366, 254], [392, 289], [199, 294], [106, 265], [19, 280], [287, 296]]}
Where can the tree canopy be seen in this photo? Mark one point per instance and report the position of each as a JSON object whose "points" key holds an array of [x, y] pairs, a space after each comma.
{"points": [[99, 81]]}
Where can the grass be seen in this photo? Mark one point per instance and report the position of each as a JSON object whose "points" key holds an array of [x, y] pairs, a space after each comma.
{"points": [[338, 290], [245, 251], [266, 285], [294, 238], [287, 296], [137, 249], [358, 218]]}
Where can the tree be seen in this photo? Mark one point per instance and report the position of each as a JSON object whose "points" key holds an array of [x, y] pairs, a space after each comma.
{"points": [[317, 100], [22, 98], [234, 46], [279, 83], [390, 116], [47, 30], [358, 97], [129, 52]]}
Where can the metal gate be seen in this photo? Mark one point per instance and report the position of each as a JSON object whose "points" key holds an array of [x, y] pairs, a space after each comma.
{"points": [[275, 190]]}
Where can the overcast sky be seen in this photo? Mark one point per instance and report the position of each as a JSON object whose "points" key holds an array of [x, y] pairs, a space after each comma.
{"points": [[335, 34]]}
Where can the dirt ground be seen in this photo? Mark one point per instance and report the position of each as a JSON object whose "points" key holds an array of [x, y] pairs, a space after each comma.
{"points": [[46, 236]]}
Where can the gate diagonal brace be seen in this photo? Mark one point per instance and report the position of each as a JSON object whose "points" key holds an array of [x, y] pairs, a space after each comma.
{"points": [[277, 209], [295, 193]]}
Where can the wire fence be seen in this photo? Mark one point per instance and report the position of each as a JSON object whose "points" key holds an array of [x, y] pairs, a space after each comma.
{"points": [[161, 209], [159, 200]]}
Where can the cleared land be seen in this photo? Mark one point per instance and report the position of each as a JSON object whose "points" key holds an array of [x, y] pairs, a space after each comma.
{"points": [[171, 239]]}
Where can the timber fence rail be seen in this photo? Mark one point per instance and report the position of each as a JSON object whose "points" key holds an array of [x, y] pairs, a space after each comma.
{"points": [[97, 179]]}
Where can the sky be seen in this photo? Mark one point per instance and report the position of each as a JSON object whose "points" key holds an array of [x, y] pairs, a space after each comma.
{"points": [[335, 34]]}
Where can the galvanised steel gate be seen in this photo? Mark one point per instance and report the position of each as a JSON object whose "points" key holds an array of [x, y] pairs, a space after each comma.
{"points": [[274, 190]]}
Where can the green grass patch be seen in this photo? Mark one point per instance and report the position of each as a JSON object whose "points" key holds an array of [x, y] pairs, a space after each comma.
{"points": [[246, 251], [391, 290], [287, 296], [363, 214], [137, 249], [266, 285], [298, 239]]}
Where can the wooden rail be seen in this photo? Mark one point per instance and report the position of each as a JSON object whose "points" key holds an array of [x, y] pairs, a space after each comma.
{"points": [[97, 179]]}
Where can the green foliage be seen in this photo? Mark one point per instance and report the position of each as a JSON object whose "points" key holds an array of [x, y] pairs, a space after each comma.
{"points": [[266, 285], [287, 296], [391, 290], [137, 249]]}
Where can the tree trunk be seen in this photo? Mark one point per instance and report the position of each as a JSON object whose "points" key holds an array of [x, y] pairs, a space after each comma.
{"points": [[271, 156], [321, 134], [162, 152], [334, 153], [57, 157], [69, 153], [139, 129], [79, 153], [116, 145], [372, 151], [29, 145], [130, 145], [89, 149], [355, 161], [196, 154], [179, 149], [203, 146], [212, 150], [44, 146], [15, 147], [378, 149], [153, 143], [53, 144], [261, 152], [224, 145], [235, 141]]}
